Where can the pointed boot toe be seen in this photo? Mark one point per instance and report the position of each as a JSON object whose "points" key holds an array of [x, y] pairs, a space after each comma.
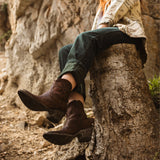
{"points": [[31, 101], [54, 101]]}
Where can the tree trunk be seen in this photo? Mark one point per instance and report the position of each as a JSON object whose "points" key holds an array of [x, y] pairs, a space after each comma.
{"points": [[126, 121]]}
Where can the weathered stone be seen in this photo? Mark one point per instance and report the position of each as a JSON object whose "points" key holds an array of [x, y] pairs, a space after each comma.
{"points": [[154, 8], [22, 125], [41, 28], [1, 90], [126, 120], [44, 144], [152, 66], [69, 151], [41, 121], [3, 147], [37, 36]]}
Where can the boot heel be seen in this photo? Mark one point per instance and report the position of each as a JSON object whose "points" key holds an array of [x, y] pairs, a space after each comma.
{"points": [[85, 135], [55, 116]]}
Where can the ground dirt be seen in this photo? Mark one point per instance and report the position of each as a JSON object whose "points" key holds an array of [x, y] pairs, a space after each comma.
{"points": [[21, 130]]}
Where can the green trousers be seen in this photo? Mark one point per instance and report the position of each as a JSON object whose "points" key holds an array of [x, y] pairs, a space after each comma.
{"points": [[77, 58]]}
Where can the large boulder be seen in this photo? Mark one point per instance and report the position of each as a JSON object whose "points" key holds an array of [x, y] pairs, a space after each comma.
{"points": [[41, 28]]}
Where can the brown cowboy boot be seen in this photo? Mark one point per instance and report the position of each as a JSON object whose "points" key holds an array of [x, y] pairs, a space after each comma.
{"points": [[76, 125], [54, 101]]}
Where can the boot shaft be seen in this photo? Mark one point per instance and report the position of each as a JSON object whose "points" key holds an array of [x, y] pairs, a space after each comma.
{"points": [[76, 125], [75, 110], [76, 118], [61, 87]]}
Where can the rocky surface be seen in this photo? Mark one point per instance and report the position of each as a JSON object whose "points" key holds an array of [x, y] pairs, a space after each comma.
{"points": [[38, 33], [126, 116], [151, 20], [39, 30], [22, 130], [21, 137]]}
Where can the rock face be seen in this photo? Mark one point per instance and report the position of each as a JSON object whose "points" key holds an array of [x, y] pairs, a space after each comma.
{"points": [[126, 119], [40, 28], [151, 20]]}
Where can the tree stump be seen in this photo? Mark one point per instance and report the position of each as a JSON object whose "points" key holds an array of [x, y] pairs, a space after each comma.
{"points": [[126, 121]]}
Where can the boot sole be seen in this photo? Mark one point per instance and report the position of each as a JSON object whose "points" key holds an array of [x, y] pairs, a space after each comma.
{"points": [[63, 138], [53, 115]]}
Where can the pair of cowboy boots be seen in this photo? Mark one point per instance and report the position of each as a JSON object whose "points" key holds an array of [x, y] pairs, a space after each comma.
{"points": [[55, 101]]}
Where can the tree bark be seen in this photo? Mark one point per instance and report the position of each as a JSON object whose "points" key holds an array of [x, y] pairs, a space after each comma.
{"points": [[126, 121]]}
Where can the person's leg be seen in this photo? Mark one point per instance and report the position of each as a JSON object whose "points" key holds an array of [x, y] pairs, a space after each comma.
{"points": [[77, 124], [86, 46], [78, 92], [63, 55], [76, 59], [79, 59], [56, 99]]}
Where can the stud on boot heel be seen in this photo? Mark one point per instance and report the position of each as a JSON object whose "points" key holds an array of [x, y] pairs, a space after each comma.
{"points": [[85, 135]]}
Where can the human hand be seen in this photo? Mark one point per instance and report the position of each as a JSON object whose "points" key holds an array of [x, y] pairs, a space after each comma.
{"points": [[102, 26]]}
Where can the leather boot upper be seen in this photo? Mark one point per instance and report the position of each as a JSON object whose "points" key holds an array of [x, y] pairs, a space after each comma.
{"points": [[76, 119], [57, 96]]}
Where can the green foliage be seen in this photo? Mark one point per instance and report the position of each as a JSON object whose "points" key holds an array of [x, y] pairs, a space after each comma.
{"points": [[5, 35], [154, 87]]}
